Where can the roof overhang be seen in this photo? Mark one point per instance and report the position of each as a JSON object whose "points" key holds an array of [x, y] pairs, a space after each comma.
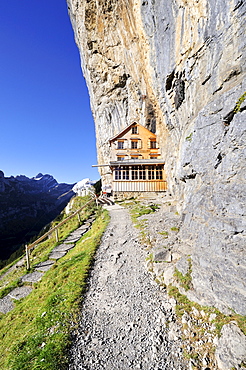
{"points": [[136, 162], [126, 129]]}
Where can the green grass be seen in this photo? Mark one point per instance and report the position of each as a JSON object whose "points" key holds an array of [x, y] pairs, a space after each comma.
{"points": [[136, 210], [185, 305], [42, 250], [200, 326], [189, 138], [164, 233], [174, 228], [139, 210], [12, 285], [239, 103], [185, 281], [149, 257], [36, 333]]}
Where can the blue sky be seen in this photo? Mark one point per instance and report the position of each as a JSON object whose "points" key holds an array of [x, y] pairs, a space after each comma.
{"points": [[45, 120]]}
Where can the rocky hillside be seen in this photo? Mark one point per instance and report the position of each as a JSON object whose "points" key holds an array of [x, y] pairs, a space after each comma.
{"points": [[178, 68], [27, 205]]}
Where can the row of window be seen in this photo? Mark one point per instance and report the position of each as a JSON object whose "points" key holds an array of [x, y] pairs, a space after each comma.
{"points": [[139, 173], [136, 144], [124, 157]]}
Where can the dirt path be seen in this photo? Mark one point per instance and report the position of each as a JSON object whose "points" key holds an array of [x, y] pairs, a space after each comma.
{"points": [[125, 317]]}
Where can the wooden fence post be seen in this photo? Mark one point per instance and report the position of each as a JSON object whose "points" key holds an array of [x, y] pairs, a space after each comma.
{"points": [[27, 258], [57, 236], [97, 202], [79, 218], [48, 233]]}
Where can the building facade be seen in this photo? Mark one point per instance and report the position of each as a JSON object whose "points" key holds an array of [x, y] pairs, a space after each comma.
{"points": [[135, 163]]}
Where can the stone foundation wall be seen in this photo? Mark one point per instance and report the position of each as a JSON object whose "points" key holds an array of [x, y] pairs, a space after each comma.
{"points": [[135, 194]]}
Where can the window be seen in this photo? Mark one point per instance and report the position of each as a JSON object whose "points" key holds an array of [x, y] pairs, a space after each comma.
{"points": [[125, 174], [121, 173], [120, 145], [134, 130], [134, 172], [120, 158], [153, 156], [117, 175], [142, 173], [153, 144], [134, 144], [159, 173], [151, 172]]}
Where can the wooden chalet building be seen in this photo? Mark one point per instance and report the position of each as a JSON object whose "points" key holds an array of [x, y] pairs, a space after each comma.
{"points": [[135, 163]]}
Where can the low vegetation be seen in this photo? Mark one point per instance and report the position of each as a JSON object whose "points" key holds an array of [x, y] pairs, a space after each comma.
{"points": [[200, 325], [164, 233], [239, 103], [185, 281], [174, 228], [36, 333], [189, 138], [136, 210], [204, 323]]}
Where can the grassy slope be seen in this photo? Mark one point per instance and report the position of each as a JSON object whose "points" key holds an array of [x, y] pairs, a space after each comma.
{"points": [[36, 334]]}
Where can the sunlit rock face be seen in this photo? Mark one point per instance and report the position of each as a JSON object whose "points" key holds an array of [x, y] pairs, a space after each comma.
{"points": [[178, 68]]}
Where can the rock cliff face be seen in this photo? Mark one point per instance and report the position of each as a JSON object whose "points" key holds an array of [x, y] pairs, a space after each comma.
{"points": [[178, 68]]}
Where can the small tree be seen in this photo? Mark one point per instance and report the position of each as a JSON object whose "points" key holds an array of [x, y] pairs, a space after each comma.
{"points": [[98, 187]]}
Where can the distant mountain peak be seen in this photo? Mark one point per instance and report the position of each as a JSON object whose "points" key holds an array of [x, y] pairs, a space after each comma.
{"points": [[38, 176], [27, 204]]}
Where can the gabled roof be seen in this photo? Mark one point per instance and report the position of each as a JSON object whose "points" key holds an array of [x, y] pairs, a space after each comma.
{"points": [[127, 129]]}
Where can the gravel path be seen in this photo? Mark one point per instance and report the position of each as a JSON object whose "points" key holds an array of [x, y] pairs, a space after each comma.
{"points": [[126, 318]]}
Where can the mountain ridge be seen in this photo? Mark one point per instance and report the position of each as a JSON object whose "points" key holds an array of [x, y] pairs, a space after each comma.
{"points": [[26, 206]]}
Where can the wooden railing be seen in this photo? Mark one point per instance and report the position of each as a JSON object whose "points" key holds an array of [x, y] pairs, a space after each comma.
{"points": [[55, 229]]}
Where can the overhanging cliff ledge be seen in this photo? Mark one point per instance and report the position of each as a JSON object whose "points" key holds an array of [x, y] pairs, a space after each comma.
{"points": [[178, 68]]}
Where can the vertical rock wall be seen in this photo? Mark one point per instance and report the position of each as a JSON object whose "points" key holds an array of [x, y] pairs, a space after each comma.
{"points": [[178, 68]]}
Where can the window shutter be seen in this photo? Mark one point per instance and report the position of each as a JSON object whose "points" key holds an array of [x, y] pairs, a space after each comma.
{"points": [[139, 144], [148, 144]]}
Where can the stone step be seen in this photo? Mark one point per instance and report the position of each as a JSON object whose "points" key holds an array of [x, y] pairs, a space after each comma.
{"points": [[33, 277], [20, 292], [83, 228], [71, 240], [44, 266], [75, 235], [106, 201], [63, 247], [6, 304], [91, 219], [57, 255]]}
